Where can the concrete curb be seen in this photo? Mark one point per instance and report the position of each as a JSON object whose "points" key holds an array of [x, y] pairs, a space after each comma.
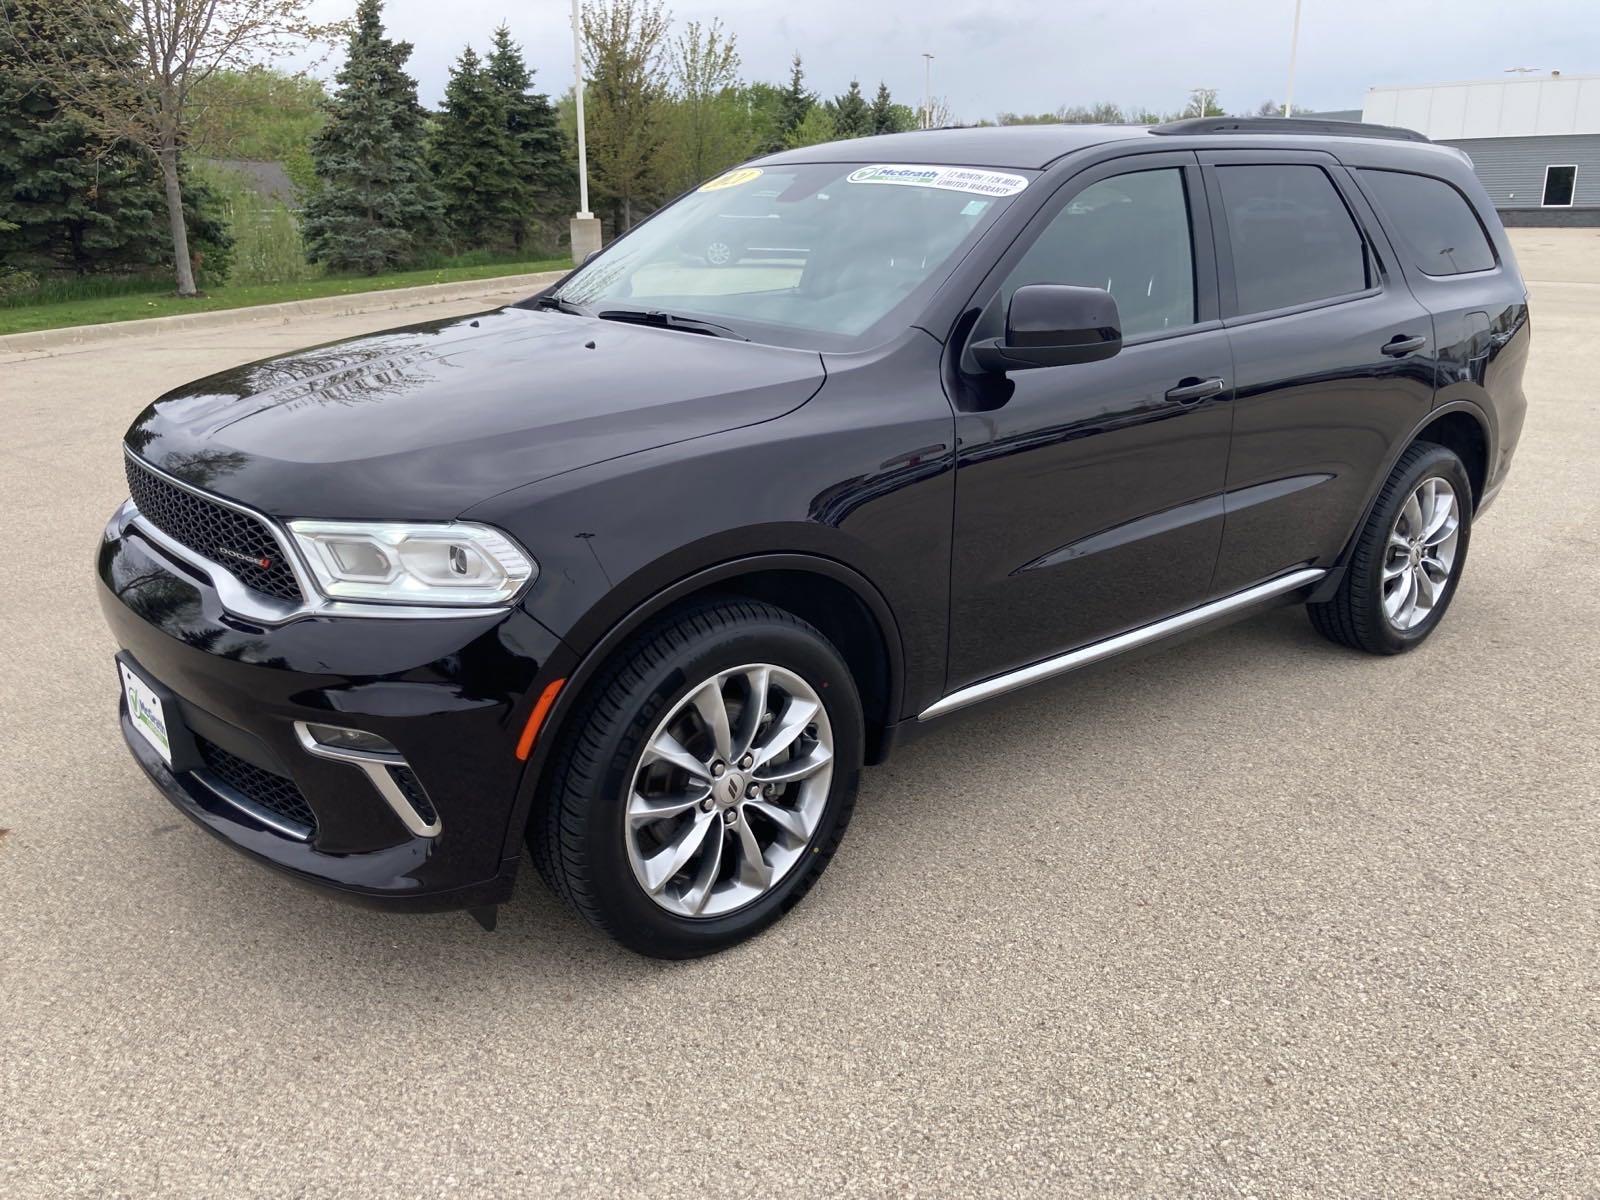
{"points": [[46, 341]]}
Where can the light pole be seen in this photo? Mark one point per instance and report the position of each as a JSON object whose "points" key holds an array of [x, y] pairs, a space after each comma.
{"points": [[927, 91], [584, 227], [1294, 49]]}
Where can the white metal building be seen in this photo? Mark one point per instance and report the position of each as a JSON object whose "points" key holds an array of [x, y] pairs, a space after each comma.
{"points": [[1534, 140]]}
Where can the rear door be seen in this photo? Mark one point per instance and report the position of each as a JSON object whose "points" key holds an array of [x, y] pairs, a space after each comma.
{"points": [[1333, 357], [1088, 497], [1477, 299]]}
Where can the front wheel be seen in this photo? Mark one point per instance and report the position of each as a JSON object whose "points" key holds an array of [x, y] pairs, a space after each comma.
{"points": [[1408, 558], [703, 786]]}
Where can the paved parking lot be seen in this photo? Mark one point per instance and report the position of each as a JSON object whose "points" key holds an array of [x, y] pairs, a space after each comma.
{"points": [[1252, 916]]}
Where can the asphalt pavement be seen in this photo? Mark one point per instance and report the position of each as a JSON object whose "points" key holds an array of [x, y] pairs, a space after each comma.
{"points": [[1253, 916]]}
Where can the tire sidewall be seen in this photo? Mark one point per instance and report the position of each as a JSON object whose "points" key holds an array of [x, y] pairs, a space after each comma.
{"points": [[626, 909], [1435, 462]]}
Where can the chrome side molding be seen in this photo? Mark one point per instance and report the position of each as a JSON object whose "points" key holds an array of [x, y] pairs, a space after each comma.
{"points": [[1097, 651]]}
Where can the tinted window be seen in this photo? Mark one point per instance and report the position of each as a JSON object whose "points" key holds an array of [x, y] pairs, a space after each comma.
{"points": [[1129, 235], [1294, 241], [1435, 224]]}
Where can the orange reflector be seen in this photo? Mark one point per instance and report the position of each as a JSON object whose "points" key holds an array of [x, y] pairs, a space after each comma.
{"points": [[541, 710]]}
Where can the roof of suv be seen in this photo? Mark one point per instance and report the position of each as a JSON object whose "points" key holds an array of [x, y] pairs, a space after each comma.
{"points": [[1036, 146], [1028, 146]]}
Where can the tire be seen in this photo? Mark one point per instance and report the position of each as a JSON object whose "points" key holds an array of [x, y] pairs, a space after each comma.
{"points": [[585, 834], [1356, 615], [719, 253]]}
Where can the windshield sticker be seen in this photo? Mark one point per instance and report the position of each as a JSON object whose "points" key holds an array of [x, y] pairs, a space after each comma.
{"points": [[731, 179], [949, 179]]}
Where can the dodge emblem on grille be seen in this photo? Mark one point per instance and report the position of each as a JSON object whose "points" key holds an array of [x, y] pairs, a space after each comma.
{"points": [[263, 562]]}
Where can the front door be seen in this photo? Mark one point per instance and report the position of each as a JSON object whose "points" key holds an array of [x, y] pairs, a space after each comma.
{"points": [[1088, 497]]}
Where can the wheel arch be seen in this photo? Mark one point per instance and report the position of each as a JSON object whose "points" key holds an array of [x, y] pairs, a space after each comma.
{"points": [[1460, 426], [837, 599]]}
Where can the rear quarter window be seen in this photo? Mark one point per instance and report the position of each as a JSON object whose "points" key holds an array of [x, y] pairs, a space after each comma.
{"points": [[1435, 224]]}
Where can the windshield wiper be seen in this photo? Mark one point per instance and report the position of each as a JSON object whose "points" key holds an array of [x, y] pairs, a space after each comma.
{"points": [[557, 303], [667, 320]]}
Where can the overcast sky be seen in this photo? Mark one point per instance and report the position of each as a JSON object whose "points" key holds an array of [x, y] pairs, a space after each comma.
{"points": [[1023, 56]]}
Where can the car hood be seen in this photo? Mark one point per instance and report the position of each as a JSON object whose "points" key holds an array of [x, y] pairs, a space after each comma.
{"points": [[421, 423]]}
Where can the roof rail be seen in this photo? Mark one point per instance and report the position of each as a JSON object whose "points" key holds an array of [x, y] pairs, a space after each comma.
{"points": [[1199, 125]]}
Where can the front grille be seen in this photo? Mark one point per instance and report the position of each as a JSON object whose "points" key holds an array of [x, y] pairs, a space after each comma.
{"points": [[272, 792], [411, 786], [223, 535]]}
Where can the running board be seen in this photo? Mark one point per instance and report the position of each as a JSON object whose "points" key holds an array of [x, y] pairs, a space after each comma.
{"points": [[1097, 651]]}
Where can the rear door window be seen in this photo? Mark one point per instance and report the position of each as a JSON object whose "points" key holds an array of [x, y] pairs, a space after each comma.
{"points": [[1294, 241], [1436, 226]]}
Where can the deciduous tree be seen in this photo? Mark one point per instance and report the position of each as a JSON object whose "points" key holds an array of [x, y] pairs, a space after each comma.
{"points": [[1203, 103], [625, 60], [131, 71], [709, 122], [817, 127]]}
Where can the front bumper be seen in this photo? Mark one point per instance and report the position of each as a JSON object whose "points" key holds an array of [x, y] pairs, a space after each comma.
{"points": [[448, 694]]}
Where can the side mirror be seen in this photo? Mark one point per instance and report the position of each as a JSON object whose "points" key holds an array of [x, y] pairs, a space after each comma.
{"points": [[1051, 325]]}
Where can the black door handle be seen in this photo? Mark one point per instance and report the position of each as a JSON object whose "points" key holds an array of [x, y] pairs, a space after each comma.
{"points": [[1400, 345], [1191, 389]]}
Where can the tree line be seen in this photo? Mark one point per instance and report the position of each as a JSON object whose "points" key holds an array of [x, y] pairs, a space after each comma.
{"points": [[104, 104]]}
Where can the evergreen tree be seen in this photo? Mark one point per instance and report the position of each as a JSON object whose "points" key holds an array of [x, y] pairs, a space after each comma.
{"points": [[544, 162], [797, 102], [474, 158], [889, 117], [375, 206], [852, 117]]}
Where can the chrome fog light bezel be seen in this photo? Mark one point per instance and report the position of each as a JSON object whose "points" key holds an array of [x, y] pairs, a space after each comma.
{"points": [[379, 767]]}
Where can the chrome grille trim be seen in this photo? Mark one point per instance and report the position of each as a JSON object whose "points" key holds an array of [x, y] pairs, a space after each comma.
{"points": [[239, 599], [286, 547]]}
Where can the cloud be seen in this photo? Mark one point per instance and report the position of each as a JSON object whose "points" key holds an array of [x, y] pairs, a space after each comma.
{"points": [[1040, 54]]}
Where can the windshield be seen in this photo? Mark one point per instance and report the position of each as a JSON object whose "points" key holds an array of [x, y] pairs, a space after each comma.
{"points": [[815, 254]]}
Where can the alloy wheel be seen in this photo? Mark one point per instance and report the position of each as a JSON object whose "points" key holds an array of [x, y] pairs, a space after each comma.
{"points": [[729, 790], [1421, 553]]}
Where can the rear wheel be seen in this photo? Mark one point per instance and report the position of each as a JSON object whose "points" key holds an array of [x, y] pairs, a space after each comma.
{"points": [[706, 782], [1408, 558]]}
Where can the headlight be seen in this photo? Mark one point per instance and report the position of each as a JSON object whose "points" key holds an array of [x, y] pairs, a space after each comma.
{"points": [[400, 563]]}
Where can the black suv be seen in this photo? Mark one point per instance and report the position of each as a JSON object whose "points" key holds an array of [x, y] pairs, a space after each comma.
{"points": [[639, 573]]}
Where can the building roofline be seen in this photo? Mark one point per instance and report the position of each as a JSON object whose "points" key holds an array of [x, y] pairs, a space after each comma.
{"points": [[1501, 81]]}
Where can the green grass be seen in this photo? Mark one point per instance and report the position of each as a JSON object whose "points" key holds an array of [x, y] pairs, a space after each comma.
{"points": [[159, 301]]}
